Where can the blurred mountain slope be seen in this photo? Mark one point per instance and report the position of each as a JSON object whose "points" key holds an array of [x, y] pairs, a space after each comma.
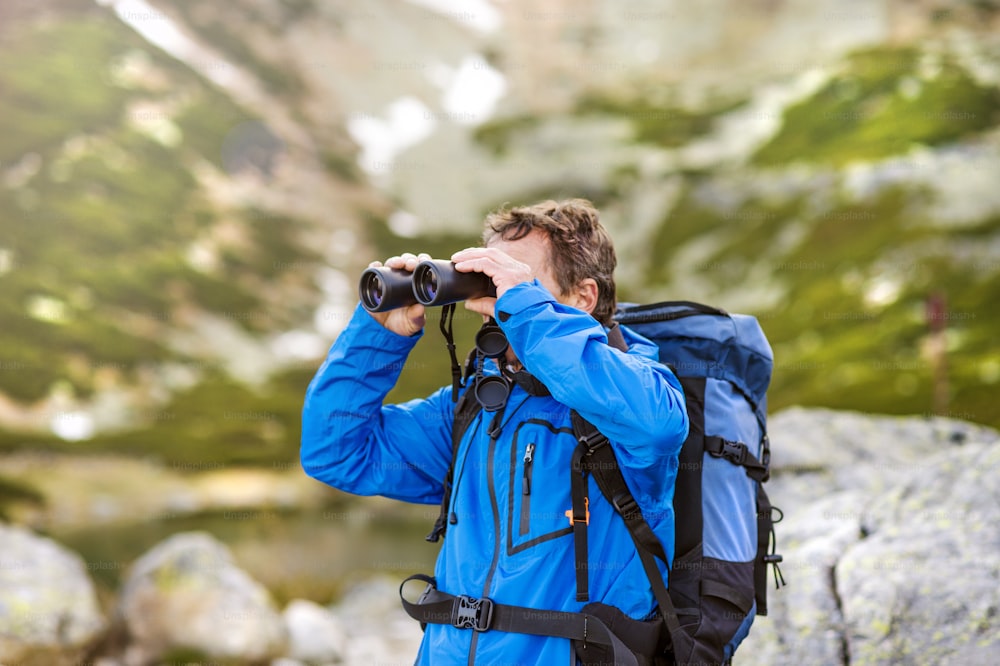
{"points": [[182, 228], [828, 167], [156, 243]]}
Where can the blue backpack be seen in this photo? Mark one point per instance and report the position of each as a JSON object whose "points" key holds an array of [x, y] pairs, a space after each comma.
{"points": [[724, 525], [724, 535]]}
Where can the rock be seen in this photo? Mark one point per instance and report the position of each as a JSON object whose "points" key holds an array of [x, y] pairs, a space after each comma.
{"points": [[380, 631], [891, 541], [815, 452], [187, 594], [923, 585], [49, 613], [315, 635]]}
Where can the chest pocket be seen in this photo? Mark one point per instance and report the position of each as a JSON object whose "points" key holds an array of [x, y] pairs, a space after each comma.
{"points": [[539, 484]]}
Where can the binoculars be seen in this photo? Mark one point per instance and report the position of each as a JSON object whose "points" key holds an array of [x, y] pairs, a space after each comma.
{"points": [[432, 282]]}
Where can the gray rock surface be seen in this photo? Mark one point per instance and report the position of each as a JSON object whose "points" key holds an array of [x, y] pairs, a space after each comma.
{"points": [[379, 631], [187, 593], [316, 636], [891, 540], [49, 614]]}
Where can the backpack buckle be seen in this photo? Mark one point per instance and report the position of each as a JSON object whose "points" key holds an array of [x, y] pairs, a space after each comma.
{"points": [[734, 451], [470, 613], [592, 440], [625, 505]]}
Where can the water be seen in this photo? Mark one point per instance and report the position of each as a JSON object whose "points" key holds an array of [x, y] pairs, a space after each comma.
{"points": [[316, 555]]}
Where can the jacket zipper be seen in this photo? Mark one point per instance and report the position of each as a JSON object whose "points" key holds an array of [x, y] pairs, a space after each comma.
{"points": [[496, 424], [526, 481], [525, 524]]}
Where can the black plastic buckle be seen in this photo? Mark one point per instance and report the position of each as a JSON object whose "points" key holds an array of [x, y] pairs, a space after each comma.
{"points": [[625, 504], [734, 451], [469, 613], [593, 441]]}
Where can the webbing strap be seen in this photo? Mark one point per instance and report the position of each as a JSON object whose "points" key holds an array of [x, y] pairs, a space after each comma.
{"points": [[616, 339], [465, 412], [737, 453], [714, 588], [765, 538], [485, 615], [447, 330], [601, 462], [578, 496]]}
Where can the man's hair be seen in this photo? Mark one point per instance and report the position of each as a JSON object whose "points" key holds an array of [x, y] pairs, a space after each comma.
{"points": [[580, 247]]}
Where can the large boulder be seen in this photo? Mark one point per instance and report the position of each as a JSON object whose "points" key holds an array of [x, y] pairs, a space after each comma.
{"points": [[380, 631], [891, 540], [922, 585], [49, 613], [316, 636], [187, 595]]}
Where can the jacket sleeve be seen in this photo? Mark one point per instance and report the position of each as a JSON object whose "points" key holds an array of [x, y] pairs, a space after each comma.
{"points": [[353, 442], [634, 400]]}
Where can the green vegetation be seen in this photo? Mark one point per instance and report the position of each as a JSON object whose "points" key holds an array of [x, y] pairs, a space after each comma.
{"points": [[497, 133], [660, 124], [100, 231], [108, 236], [14, 492], [343, 166], [43, 66], [836, 343], [885, 101], [836, 348], [218, 422], [207, 123]]}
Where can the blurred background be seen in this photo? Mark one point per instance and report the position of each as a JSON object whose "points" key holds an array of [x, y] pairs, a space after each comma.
{"points": [[189, 191]]}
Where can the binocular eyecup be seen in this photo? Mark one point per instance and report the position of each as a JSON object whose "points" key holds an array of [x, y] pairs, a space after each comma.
{"points": [[433, 282], [491, 391]]}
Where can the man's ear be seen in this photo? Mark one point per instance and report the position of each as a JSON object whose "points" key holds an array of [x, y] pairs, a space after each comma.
{"points": [[584, 295]]}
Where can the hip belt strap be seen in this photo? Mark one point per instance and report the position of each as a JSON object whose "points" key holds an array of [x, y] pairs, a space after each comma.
{"points": [[483, 614]]}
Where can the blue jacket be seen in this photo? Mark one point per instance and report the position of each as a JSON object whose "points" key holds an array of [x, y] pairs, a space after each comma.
{"points": [[513, 542]]}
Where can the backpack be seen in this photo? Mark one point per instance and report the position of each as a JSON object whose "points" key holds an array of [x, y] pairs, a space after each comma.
{"points": [[724, 536], [724, 529]]}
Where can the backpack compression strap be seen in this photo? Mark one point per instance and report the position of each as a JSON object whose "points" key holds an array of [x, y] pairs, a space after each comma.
{"points": [[464, 612]]}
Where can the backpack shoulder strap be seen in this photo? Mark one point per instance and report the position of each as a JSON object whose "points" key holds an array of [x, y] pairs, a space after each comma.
{"points": [[616, 339], [466, 411], [595, 455]]}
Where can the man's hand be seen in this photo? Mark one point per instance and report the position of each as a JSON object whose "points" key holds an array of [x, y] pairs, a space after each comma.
{"points": [[404, 321], [504, 270]]}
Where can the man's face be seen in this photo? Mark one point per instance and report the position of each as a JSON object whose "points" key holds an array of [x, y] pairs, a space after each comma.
{"points": [[534, 250]]}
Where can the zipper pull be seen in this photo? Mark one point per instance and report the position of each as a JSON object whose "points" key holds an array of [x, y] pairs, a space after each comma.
{"points": [[526, 480]]}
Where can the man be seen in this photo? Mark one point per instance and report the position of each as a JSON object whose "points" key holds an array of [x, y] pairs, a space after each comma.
{"points": [[510, 534]]}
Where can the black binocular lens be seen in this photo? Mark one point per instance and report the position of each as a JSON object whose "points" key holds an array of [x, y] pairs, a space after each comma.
{"points": [[436, 282], [425, 285], [385, 288]]}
